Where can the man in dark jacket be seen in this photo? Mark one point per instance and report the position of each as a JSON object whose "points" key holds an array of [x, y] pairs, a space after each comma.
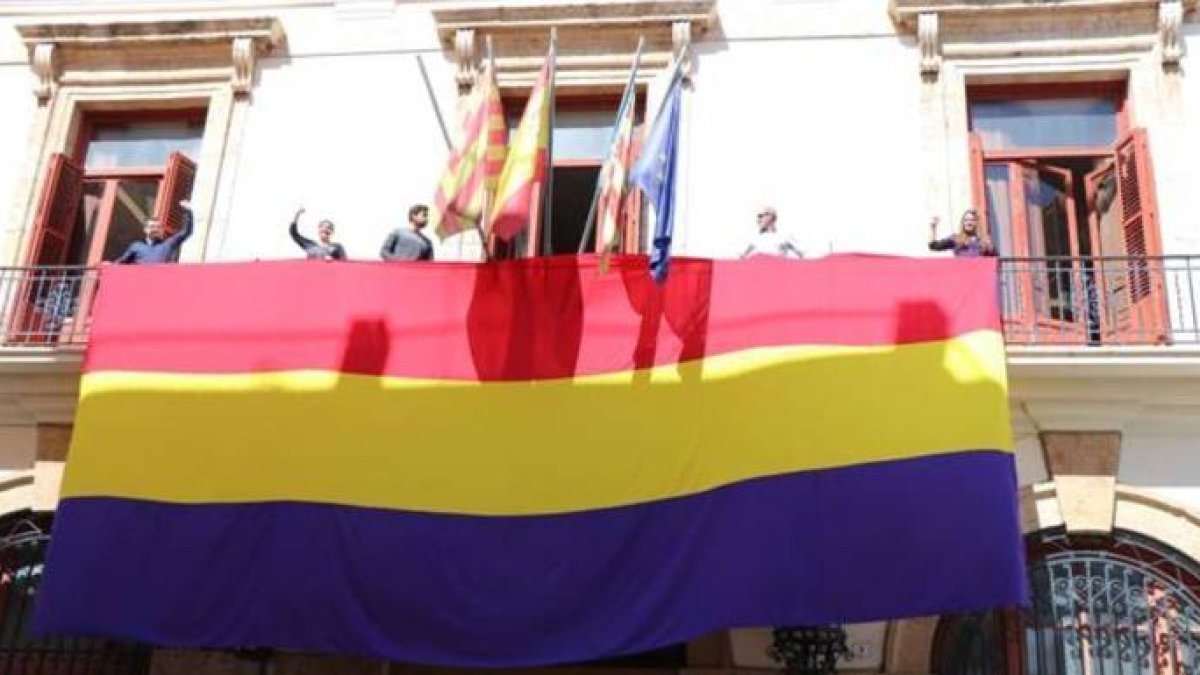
{"points": [[157, 247], [407, 242]]}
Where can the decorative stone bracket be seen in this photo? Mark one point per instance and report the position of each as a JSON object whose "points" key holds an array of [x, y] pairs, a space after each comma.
{"points": [[596, 40], [215, 47], [464, 56], [1170, 20], [967, 28], [928, 40], [44, 61]]}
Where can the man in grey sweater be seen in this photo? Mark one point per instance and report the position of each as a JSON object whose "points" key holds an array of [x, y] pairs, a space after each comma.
{"points": [[406, 242]]}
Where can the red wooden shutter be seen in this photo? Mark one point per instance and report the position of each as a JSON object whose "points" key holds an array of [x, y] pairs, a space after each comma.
{"points": [[979, 187], [176, 186], [42, 297], [1142, 316], [56, 214]]}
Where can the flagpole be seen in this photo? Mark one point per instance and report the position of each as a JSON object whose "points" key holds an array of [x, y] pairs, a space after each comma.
{"points": [[591, 216], [437, 109], [486, 211], [548, 197]]}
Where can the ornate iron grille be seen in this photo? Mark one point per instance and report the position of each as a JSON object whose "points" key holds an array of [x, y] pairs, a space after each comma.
{"points": [[1126, 606], [1115, 606], [23, 542]]}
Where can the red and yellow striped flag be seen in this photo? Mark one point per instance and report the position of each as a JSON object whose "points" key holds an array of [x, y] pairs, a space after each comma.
{"points": [[528, 157], [474, 165]]}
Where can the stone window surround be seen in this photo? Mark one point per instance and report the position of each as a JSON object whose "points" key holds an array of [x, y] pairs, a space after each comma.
{"points": [[961, 43], [206, 63]]}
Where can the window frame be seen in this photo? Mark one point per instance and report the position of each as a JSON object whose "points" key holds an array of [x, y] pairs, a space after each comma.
{"points": [[111, 176], [513, 106], [1027, 320]]}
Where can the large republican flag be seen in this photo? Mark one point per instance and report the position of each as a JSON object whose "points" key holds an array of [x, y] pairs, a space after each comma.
{"points": [[527, 161], [474, 164], [526, 462]]}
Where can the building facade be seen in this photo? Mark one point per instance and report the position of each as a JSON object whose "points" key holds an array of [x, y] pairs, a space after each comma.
{"points": [[1070, 126]]}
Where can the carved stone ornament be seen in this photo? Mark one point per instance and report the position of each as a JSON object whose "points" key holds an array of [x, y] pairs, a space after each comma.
{"points": [[243, 65], [929, 42], [464, 56], [1170, 19], [45, 68]]}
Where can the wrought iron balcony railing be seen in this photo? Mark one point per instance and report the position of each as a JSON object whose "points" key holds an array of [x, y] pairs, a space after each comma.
{"points": [[1095, 301], [1055, 301], [46, 306]]}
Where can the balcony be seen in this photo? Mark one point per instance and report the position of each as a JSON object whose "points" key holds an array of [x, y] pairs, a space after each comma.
{"points": [[1101, 301], [42, 307], [1146, 302]]}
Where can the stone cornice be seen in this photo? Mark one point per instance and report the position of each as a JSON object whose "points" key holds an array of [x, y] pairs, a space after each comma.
{"points": [[966, 29], [905, 13], [266, 32], [596, 38], [594, 15], [216, 47]]}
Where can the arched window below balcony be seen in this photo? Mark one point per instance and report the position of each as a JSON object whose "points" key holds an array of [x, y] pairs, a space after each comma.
{"points": [[1120, 604], [23, 542]]}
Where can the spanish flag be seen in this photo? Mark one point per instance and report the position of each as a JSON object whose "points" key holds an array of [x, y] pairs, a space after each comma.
{"points": [[528, 159], [474, 165], [525, 462]]}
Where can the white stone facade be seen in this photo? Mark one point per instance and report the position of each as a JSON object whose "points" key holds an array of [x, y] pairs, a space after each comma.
{"points": [[849, 116]]}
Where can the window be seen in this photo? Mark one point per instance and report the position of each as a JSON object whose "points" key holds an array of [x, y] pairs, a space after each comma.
{"points": [[128, 163], [1067, 193], [23, 542], [122, 171], [1122, 604], [581, 136]]}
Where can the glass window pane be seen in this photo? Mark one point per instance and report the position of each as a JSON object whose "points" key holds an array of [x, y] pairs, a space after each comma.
{"points": [[999, 207], [1045, 123], [578, 134], [582, 134], [142, 144], [133, 206]]}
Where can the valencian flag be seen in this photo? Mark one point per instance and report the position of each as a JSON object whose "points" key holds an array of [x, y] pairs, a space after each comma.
{"points": [[655, 174], [615, 172], [528, 158], [474, 165], [413, 473]]}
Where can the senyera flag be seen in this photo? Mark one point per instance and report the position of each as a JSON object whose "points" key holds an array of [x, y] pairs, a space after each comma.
{"points": [[527, 462], [474, 165]]}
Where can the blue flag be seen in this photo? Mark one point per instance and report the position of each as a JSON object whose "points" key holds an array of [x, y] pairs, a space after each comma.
{"points": [[654, 173]]}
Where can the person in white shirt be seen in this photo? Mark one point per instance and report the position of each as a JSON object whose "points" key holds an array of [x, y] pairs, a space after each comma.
{"points": [[769, 240]]}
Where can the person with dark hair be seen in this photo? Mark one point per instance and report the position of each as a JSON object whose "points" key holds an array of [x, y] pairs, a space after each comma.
{"points": [[157, 247], [322, 249], [967, 242], [406, 242]]}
